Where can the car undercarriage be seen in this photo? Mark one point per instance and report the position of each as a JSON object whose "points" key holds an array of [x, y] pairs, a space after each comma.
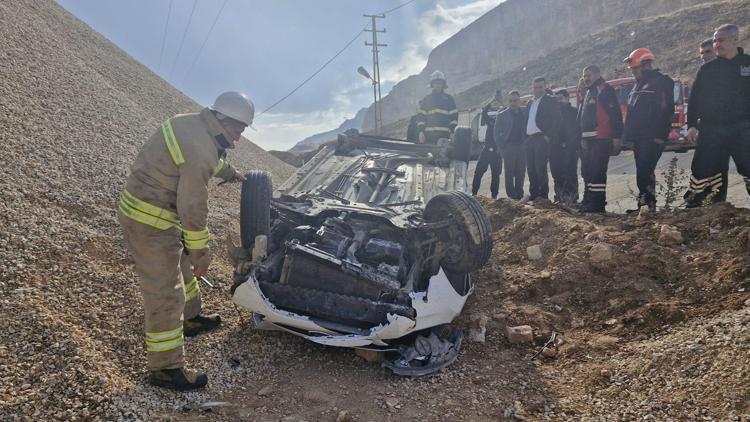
{"points": [[344, 251]]}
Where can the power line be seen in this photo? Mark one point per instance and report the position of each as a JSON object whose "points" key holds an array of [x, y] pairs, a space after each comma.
{"points": [[397, 7], [184, 35], [200, 50], [164, 38], [320, 69]]}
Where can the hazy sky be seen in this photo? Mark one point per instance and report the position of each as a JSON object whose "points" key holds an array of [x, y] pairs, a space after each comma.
{"points": [[266, 48]]}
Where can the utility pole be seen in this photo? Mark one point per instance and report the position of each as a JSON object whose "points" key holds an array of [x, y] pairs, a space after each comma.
{"points": [[376, 69]]}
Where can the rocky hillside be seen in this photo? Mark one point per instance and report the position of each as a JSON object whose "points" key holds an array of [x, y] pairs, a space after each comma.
{"points": [[673, 38], [74, 110], [651, 314], [517, 32]]}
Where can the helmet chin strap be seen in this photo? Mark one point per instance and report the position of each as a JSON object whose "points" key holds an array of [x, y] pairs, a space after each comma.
{"points": [[222, 140]]}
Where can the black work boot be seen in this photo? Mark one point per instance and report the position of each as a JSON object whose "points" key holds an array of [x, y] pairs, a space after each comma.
{"points": [[590, 208], [178, 379], [200, 324]]}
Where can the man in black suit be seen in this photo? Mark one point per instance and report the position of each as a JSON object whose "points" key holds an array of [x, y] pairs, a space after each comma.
{"points": [[490, 156], [509, 134], [542, 126]]}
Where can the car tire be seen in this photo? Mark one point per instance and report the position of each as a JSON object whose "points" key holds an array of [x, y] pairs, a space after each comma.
{"points": [[255, 206], [461, 144], [469, 241]]}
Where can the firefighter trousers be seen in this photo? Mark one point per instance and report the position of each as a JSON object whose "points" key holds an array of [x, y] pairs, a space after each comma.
{"points": [[514, 156], [594, 164], [537, 155], [716, 144], [162, 265], [563, 164], [490, 157], [647, 154]]}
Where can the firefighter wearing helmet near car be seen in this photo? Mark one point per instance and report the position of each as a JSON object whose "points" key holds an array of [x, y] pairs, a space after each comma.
{"points": [[648, 121], [438, 115], [163, 211]]}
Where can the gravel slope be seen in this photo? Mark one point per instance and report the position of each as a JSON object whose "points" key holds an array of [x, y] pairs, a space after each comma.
{"points": [[74, 110], [658, 329]]}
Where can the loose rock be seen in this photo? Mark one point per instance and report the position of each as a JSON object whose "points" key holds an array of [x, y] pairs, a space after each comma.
{"points": [[265, 391], [520, 334], [534, 252], [344, 416], [600, 253], [669, 235], [370, 355]]}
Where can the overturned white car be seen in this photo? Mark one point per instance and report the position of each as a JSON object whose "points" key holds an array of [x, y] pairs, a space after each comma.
{"points": [[369, 245]]}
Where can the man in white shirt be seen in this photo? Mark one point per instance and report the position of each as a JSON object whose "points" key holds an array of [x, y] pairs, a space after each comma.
{"points": [[541, 128]]}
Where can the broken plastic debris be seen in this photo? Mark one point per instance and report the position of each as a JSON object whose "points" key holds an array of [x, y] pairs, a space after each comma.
{"points": [[427, 355]]}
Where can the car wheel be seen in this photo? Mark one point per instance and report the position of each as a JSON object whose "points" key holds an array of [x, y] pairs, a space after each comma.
{"points": [[468, 243], [255, 206], [461, 144]]}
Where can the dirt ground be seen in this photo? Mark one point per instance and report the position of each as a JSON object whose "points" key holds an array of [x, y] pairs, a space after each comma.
{"points": [[652, 322], [660, 330]]}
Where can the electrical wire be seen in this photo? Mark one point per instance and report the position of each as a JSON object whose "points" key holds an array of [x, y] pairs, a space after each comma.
{"points": [[397, 7], [205, 40], [164, 38], [320, 69], [182, 41]]}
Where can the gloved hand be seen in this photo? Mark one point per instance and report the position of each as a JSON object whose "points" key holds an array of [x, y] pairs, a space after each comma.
{"points": [[422, 138], [200, 259], [236, 177]]}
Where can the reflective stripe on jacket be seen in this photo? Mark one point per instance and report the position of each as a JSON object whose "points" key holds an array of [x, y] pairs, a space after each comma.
{"points": [[167, 186], [599, 113], [438, 114]]}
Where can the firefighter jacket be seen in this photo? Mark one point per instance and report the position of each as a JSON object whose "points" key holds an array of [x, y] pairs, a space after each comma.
{"points": [[167, 186], [650, 107], [438, 116], [721, 92], [599, 114]]}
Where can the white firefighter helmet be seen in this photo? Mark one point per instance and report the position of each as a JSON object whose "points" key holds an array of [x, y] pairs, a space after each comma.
{"points": [[235, 105], [438, 76]]}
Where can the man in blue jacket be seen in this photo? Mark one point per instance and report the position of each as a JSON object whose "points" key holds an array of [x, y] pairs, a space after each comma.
{"points": [[648, 121]]}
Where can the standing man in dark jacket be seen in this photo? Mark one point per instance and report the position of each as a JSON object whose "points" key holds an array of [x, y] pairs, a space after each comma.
{"points": [[707, 54], [490, 155], [600, 119], [509, 134], [563, 157], [543, 121], [438, 115], [719, 118], [648, 122]]}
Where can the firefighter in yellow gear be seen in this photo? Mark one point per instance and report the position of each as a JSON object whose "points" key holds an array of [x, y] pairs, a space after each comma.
{"points": [[163, 211]]}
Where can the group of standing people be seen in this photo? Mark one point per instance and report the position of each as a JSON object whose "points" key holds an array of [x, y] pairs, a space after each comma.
{"points": [[550, 132]]}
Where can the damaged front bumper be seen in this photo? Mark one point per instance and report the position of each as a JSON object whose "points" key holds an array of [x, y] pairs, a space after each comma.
{"points": [[440, 304]]}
